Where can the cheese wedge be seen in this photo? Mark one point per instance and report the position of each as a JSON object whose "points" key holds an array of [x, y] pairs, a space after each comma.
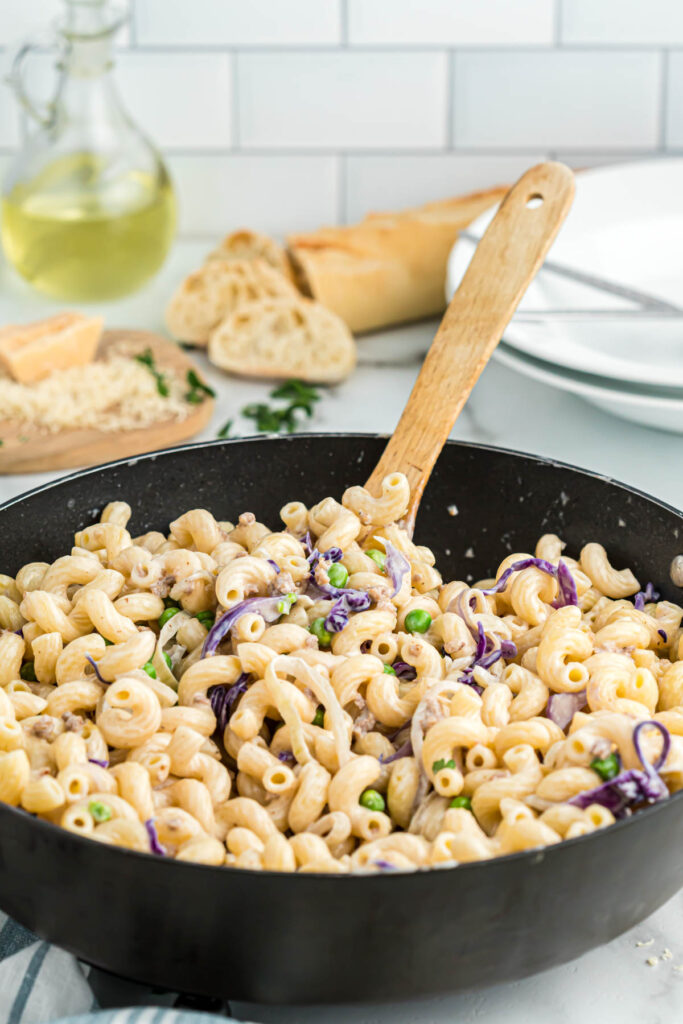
{"points": [[30, 352]]}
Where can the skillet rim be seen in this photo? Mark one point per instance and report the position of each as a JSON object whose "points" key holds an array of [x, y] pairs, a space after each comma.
{"points": [[367, 877]]}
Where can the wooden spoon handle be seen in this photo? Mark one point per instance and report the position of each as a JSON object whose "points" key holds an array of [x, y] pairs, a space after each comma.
{"points": [[504, 263]]}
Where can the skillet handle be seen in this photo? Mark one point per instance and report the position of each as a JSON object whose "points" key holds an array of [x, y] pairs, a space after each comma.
{"points": [[502, 267]]}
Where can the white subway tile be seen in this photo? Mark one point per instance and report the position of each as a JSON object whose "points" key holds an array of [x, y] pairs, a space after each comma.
{"points": [[366, 100], [22, 18], [592, 99], [183, 100], [452, 22], [394, 181], [230, 23], [276, 194], [617, 22], [9, 119], [674, 101], [579, 161]]}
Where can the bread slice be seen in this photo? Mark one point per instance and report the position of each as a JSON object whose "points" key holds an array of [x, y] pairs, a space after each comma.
{"points": [[30, 352], [250, 245], [216, 290], [391, 267], [291, 337]]}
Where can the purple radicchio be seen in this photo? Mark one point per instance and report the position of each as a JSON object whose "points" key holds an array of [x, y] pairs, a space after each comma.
{"points": [[630, 788], [223, 697], [647, 595], [396, 566], [405, 750], [562, 707], [92, 661], [405, 672], [269, 608], [486, 654], [98, 762], [154, 844], [349, 601], [565, 581]]}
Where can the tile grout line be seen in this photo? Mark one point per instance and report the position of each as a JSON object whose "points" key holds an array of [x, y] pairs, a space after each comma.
{"points": [[132, 25], [450, 99], [344, 24], [557, 28], [664, 95], [342, 176], [235, 102]]}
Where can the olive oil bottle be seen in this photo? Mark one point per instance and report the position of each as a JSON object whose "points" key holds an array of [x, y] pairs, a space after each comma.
{"points": [[88, 210]]}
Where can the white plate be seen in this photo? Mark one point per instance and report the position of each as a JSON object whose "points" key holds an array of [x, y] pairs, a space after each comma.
{"points": [[626, 225], [644, 406]]}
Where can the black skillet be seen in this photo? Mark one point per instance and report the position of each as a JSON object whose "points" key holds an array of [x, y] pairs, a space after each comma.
{"points": [[271, 937]]}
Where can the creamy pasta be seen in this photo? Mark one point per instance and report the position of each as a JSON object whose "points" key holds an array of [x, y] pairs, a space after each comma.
{"points": [[317, 699]]}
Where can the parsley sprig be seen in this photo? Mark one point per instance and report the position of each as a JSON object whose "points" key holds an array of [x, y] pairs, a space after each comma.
{"points": [[270, 419], [275, 419], [147, 359], [198, 389]]}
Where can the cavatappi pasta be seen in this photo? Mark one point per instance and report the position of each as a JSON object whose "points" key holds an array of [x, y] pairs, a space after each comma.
{"points": [[317, 699]]}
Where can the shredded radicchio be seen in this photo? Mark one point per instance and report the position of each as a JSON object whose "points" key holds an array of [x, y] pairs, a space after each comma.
{"points": [[269, 608], [565, 581], [154, 844], [274, 564], [396, 565], [646, 596], [663, 635], [633, 787], [405, 750], [486, 654], [286, 756], [223, 698], [349, 601], [100, 764], [404, 671], [562, 707], [92, 661]]}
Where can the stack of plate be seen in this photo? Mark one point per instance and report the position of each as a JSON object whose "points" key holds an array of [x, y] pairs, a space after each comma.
{"points": [[625, 228]]}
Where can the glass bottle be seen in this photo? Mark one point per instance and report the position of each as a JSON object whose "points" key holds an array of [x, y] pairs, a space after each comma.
{"points": [[88, 210]]}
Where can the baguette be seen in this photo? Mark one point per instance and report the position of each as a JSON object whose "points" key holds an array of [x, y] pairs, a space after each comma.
{"points": [[218, 288], [251, 245], [290, 337], [389, 268]]}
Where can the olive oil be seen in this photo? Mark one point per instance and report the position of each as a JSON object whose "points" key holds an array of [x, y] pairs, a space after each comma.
{"points": [[80, 231]]}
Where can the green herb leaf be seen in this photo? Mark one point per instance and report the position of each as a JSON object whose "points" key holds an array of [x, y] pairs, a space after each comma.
{"points": [[295, 391], [441, 764], [197, 384], [225, 430]]}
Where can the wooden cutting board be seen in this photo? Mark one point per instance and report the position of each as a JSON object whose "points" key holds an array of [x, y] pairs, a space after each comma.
{"points": [[27, 449]]}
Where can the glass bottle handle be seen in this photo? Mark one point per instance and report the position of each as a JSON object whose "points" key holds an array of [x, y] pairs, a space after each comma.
{"points": [[42, 112]]}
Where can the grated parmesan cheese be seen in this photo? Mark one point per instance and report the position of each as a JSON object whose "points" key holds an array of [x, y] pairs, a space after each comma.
{"points": [[116, 393]]}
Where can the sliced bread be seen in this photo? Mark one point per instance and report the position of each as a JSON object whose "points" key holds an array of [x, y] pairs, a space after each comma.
{"points": [[251, 245], [217, 289], [291, 337]]}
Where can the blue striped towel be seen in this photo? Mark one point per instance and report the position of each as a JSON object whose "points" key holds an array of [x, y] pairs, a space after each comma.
{"points": [[40, 983]]}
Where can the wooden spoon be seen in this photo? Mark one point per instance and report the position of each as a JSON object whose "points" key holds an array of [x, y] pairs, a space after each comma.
{"points": [[505, 262]]}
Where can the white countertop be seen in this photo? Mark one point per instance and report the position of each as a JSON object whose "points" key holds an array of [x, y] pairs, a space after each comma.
{"points": [[613, 983]]}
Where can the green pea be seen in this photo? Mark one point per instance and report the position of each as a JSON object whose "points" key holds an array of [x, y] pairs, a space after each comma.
{"points": [[150, 670], [317, 628], [607, 767], [418, 621], [371, 799], [28, 672], [100, 811], [378, 557], [461, 801], [390, 670], [168, 661], [206, 619], [338, 575], [168, 614], [319, 718]]}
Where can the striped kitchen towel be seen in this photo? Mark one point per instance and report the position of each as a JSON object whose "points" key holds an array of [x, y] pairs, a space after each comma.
{"points": [[41, 984]]}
